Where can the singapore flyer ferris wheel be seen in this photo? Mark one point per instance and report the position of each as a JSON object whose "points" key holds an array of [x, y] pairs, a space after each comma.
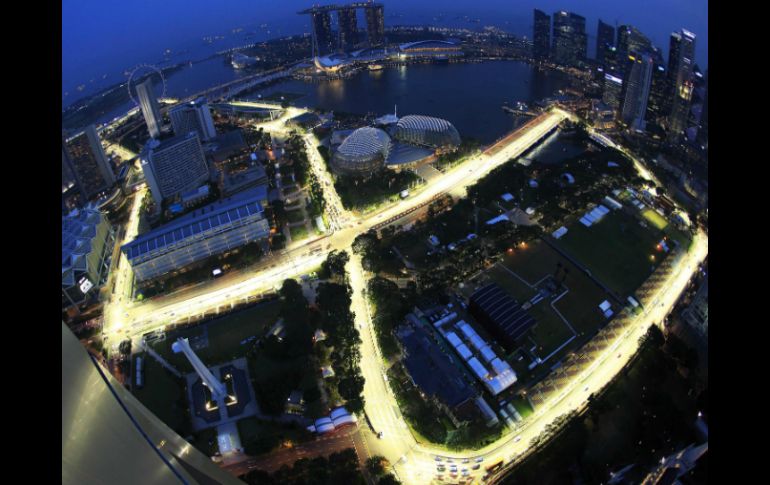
{"points": [[140, 71]]}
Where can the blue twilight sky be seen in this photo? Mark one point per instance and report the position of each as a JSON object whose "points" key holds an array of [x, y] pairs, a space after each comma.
{"points": [[102, 38]]}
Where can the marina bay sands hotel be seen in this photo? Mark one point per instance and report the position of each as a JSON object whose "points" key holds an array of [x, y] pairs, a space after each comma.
{"points": [[346, 38]]}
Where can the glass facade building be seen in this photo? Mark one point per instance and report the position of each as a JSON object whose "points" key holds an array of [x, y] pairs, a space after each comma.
{"points": [[427, 131], [681, 60], [605, 38], [541, 47], [637, 90], [363, 152], [570, 42]]}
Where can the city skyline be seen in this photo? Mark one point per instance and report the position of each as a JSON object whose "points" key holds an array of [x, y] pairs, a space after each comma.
{"points": [[89, 52], [390, 254]]}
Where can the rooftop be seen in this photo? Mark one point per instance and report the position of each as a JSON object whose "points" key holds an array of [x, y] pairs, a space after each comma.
{"points": [[501, 313], [222, 212], [432, 370]]}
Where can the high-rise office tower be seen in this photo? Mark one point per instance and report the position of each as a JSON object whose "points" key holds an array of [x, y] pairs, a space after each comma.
{"points": [[541, 47], [658, 104], [631, 39], [637, 90], [703, 131], [375, 24], [348, 36], [84, 155], [605, 39], [149, 106], [193, 116], [174, 166], [613, 92], [681, 58], [569, 39]]}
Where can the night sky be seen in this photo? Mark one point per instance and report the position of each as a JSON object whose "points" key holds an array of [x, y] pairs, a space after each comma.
{"points": [[109, 36]]}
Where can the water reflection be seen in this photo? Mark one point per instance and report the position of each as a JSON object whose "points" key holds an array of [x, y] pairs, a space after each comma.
{"points": [[470, 95]]}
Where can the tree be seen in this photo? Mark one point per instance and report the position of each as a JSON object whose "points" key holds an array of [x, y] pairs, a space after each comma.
{"points": [[376, 465], [335, 263], [296, 315], [388, 479]]}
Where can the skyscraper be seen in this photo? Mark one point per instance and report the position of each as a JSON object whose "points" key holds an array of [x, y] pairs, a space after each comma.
{"points": [[631, 39], [541, 36], [703, 132], [637, 90], [605, 38], [681, 57], [613, 91], [322, 32], [658, 104], [193, 116], [174, 166], [375, 24], [149, 106], [84, 156], [348, 22], [569, 39]]}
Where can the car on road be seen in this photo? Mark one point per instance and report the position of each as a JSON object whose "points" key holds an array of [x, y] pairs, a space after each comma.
{"points": [[476, 466], [479, 459], [379, 435], [467, 460], [438, 458], [517, 439], [619, 355]]}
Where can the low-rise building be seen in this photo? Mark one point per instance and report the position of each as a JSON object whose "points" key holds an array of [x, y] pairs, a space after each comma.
{"points": [[235, 181], [222, 226], [431, 370]]}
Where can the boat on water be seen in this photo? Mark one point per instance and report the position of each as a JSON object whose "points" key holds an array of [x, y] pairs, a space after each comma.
{"points": [[375, 67]]}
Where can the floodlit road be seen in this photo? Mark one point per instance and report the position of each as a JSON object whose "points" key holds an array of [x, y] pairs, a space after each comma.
{"points": [[335, 211], [131, 319], [413, 462], [574, 397]]}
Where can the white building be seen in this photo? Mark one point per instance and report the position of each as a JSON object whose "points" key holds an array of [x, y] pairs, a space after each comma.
{"points": [[149, 105], [174, 166], [193, 116]]}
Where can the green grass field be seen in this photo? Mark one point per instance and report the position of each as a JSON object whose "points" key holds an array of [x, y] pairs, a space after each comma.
{"points": [[522, 406], [298, 233], [579, 305], [224, 335], [617, 250], [654, 218], [550, 331], [163, 393]]}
